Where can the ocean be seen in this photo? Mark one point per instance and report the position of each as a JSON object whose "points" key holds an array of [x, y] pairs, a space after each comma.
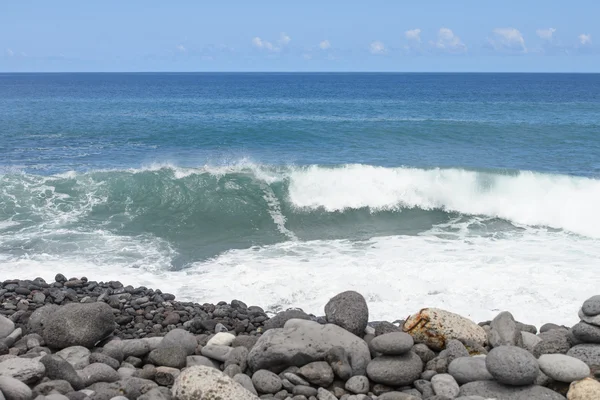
{"points": [[475, 193]]}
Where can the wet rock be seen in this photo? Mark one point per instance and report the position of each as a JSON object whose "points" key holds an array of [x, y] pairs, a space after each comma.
{"points": [[301, 342], [78, 324], [348, 310], [435, 327], [512, 365], [395, 370]]}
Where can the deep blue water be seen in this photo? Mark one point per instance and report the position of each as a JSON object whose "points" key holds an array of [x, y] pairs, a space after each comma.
{"points": [[194, 165]]}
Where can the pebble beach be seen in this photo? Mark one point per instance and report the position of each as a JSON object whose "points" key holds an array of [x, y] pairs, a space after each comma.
{"points": [[80, 339]]}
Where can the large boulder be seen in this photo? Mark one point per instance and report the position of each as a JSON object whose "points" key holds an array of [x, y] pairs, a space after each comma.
{"points": [[348, 310], [301, 342], [205, 383], [181, 338], [435, 327], [78, 324], [498, 391], [40, 317]]}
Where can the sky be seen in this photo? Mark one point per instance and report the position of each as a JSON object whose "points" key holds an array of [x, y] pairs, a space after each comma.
{"points": [[391, 36]]}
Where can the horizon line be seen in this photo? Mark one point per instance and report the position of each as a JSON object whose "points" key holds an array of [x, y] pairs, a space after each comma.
{"points": [[299, 72]]}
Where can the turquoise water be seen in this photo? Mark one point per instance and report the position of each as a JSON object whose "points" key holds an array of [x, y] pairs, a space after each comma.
{"points": [[149, 174]]}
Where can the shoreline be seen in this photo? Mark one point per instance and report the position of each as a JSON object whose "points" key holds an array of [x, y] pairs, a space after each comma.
{"points": [[78, 339]]}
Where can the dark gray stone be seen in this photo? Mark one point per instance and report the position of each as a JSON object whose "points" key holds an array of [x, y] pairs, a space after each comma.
{"points": [[279, 320], [588, 353], [587, 333], [76, 324], [266, 381], [340, 363], [98, 372], [392, 344], [424, 387], [395, 370], [504, 332], [245, 341], [174, 357], [424, 352], [238, 356], [6, 326], [318, 373], [38, 319], [512, 365], [180, 338], [554, 341], [58, 368], [591, 306], [305, 391], [498, 391], [348, 310], [58, 385], [104, 359], [549, 326]]}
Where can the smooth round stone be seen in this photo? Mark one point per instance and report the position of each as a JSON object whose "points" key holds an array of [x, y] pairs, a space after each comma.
{"points": [[14, 389], [392, 344], [395, 370], [180, 338], [591, 306], [587, 333], [563, 368], [512, 365], [358, 384], [469, 369], [221, 339], [530, 341], [266, 381], [445, 385]]}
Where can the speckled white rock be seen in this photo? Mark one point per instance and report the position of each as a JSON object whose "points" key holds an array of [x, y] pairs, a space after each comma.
{"points": [[586, 389], [221, 339], [205, 383]]}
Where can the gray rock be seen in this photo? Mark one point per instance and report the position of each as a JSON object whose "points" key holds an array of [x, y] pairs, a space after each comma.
{"points": [[305, 391], [266, 381], [6, 327], [340, 363], [591, 306], [588, 353], [127, 348], [174, 357], [180, 338], [77, 356], [201, 360], [395, 370], [348, 310], [324, 394], [445, 385], [14, 389], [428, 374], [392, 344], [232, 370], [469, 369], [424, 352], [512, 365], [156, 394], [246, 382], [504, 332], [555, 341], [279, 320], [529, 341], [25, 370], [318, 373], [58, 368], [56, 396], [301, 342], [358, 384], [104, 359], [58, 385], [563, 368], [238, 356], [77, 324], [454, 349], [549, 326], [165, 376], [245, 341], [402, 396], [131, 387], [220, 353], [587, 333], [498, 391], [98, 372], [595, 320]]}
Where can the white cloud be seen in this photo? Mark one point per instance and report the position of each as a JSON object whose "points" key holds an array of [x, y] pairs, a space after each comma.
{"points": [[546, 34], [377, 47], [9, 52], [508, 39], [413, 34], [283, 41], [324, 45], [449, 42], [585, 38], [181, 48]]}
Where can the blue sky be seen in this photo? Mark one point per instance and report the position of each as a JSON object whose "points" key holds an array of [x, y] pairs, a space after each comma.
{"points": [[477, 35]]}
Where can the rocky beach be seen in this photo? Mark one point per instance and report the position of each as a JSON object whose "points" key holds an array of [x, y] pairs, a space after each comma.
{"points": [[78, 339]]}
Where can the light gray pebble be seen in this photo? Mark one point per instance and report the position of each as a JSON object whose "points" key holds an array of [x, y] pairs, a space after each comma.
{"points": [[246, 382], [445, 385], [266, 381], [358, 384]]}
